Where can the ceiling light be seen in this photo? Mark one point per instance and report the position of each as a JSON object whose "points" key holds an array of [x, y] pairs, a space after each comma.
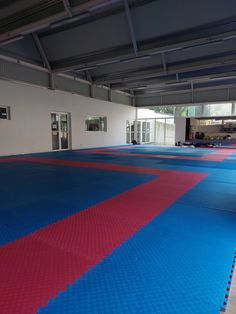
{"points": [[86, 69], [136, 59], [107, 62], [165, 50], [11, 40], [102, 5], [71, 20], [229, 37], [213, 42], [140, 87], [35, 29]]}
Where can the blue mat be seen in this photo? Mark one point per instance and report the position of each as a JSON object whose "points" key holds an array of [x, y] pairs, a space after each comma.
{"points": [[39, 194], [179, 263], [193, 152]]}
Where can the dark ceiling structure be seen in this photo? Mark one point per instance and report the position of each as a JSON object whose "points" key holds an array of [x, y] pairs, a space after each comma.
{"points": [[158, 52]]}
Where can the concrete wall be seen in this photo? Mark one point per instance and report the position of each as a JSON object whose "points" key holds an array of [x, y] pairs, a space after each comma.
{"points": [[29, 129]]}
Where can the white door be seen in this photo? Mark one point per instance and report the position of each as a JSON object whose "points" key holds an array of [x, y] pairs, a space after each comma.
{"points": [[60, 130]]}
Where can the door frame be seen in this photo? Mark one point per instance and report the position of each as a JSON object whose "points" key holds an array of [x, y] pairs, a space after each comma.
{"points": [[68, 127]]}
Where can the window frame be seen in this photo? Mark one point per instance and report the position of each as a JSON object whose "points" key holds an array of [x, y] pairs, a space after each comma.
{"points": [[90, 117]]}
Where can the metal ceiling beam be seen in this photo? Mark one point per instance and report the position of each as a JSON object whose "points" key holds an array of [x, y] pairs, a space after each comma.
{"points": [[11, 40], [41, 51], [39, 15], [204, 95], [67, 7], [44, 59], [182, 70], [131, 27], [148, 49], [112, 7], [88, 76], [162, 81], [163, 59], [188, 88]]}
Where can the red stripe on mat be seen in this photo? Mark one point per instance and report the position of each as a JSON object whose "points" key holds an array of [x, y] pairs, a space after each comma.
{"points": [[96, 165], [10, 159], [35, 268], [218, 155]]}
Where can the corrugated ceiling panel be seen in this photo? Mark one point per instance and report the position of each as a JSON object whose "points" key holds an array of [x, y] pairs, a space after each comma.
{"points": [[100, 93], [18, 72], [73, 86], [121, 98]]}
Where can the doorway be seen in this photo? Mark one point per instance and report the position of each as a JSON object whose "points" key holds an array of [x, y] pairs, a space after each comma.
{"points": [[60, 131]]}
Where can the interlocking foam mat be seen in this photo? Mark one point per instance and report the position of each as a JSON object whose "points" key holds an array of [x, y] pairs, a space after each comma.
{"points": [[96, 232]]}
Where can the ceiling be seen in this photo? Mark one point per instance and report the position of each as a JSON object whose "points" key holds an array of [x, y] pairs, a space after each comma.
{"points": [[145, 48]]}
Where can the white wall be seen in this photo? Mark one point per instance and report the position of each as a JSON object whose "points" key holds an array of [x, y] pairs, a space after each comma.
{"points": [[180, 129], [29, 129]]}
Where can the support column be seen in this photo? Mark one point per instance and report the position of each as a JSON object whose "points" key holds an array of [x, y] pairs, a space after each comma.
{"points": [[234, 109], [136, 124], [92, 90], [109, 94]]}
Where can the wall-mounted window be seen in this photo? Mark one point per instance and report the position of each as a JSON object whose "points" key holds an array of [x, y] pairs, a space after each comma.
{"points": [[94, 123], [165, 110], [4, 113], [211, 110], [190, 111]]}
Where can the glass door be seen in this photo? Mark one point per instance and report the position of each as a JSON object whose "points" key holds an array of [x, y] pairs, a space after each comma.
{"points": [[170, 132], [145, 131], [64, 136], [128, 141], [60, 130]]}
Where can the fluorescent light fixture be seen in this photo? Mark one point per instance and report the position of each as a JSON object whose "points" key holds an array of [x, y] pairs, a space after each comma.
{"points": [[35, 29], [222, 78], [86, 69], [139, 87], [212, 42], [229, 37], [71, 20], [176, 83], [11, 40], [107, 62], [102, 5], [165, 50], [136, 59]]}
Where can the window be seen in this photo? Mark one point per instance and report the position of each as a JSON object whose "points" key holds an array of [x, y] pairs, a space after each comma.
{"points": [[4, 113], [183, 111], [194, 111], [190, 111], [96, 123], [167, 110], [212, 110]]}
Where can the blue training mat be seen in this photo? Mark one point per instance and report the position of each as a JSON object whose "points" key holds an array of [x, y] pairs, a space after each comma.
{"points": [[179, 263]]}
